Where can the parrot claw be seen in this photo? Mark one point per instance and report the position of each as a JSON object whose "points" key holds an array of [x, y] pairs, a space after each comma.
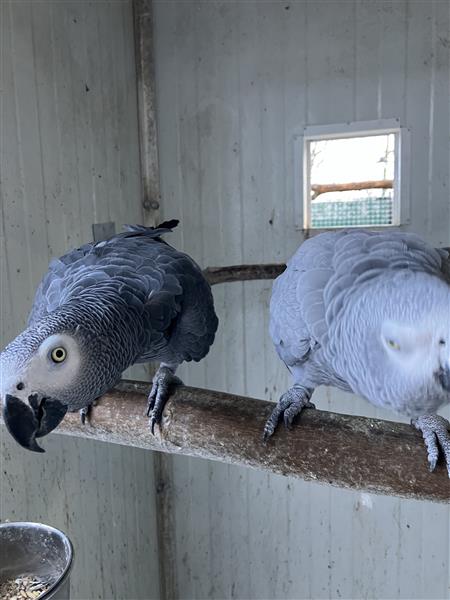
{"points": [[162, 387], [289, 406], [436, 434], [150, 405], [85, 412]]}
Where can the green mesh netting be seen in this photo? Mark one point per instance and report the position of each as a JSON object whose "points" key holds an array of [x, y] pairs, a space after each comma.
{"points": [[351, 213]]}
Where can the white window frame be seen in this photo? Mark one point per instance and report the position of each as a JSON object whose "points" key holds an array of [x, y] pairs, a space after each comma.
{"points": [[401, 209]]}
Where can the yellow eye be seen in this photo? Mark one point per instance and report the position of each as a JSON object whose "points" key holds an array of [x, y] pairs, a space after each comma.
{"points": [[393, 344], [58, 355]]}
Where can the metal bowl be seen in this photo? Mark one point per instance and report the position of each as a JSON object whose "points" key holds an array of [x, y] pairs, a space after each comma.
{"points": [[36, 549]]}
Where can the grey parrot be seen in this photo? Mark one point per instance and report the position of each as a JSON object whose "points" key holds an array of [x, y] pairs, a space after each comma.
{"points": [[368, 313], [98, 310]]}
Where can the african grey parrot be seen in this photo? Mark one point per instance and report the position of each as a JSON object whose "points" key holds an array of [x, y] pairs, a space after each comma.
{"points": [[368, 313], [98, 310]]}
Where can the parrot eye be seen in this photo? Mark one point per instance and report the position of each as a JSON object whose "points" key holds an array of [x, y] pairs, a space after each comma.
{"points": [[442, 342], [58, 355], [393, 344]]}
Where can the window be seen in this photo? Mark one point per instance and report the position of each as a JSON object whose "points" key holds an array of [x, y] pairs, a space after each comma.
{"points": [[352, 175]]}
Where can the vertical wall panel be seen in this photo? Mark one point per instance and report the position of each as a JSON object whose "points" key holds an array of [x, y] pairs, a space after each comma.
{"points": [[236, 81], [69, 157]]}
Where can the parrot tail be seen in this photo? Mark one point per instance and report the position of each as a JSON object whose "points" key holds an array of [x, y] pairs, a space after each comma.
{"points": [[152, 232]]}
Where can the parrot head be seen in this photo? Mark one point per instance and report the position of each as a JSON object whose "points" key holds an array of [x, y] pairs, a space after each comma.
{"points": [[414, 344], [46, 371], [420, 347]]}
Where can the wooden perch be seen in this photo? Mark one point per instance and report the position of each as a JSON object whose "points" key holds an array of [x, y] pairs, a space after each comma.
{"points": [[322, 188], [341, 450], [243, 273]]}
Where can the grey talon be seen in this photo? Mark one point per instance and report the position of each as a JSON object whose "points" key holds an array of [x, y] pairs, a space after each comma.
{"points": [[86, 411], [83, 414], [436, 434], [162, 387], [289, 406]]}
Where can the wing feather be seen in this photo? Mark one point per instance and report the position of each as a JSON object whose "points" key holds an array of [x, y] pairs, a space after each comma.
{"points": [[325, 271]]}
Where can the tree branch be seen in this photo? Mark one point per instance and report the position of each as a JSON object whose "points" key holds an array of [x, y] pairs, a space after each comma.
{"points": [[322, 188], [341, 450], [216, 275]]}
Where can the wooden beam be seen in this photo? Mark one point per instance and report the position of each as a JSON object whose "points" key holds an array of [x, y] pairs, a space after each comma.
{"points": [[151, 198], [146, 95], [345, 451]]}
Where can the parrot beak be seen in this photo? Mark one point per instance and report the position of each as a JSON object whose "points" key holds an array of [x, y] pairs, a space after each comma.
{"points": [[27, 422], [444, 378]]}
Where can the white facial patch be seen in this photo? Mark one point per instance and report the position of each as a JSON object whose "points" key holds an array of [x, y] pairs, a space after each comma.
{"points": [[405, 340], [47, 376], [414, 348]]}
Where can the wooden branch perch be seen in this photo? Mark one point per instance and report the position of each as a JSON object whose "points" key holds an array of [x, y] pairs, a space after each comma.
{"points": [[322, 188], [341, 450], [242, 273]]}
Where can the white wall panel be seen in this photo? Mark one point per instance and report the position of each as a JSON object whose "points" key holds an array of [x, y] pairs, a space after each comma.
{"points": [[235, 81], [69, 157]]}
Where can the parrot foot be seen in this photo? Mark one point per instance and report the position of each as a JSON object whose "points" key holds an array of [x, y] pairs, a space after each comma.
{"points": [[85, 412], [162, 386], [289, 406], [436, 433]]}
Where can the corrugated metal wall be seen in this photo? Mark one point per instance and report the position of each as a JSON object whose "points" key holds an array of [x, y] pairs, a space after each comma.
{"points": [[70, 158], [235, 80]]}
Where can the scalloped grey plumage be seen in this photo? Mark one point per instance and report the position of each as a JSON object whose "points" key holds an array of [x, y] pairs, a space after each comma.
{"points": [[327, 307], [130, 299]]}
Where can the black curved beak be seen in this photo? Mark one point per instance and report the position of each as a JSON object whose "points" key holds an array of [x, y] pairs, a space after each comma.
{"points": [[27, 422], [444, 378]]}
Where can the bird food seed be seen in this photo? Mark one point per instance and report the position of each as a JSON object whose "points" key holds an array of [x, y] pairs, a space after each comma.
{"points": [[24, 587]]}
